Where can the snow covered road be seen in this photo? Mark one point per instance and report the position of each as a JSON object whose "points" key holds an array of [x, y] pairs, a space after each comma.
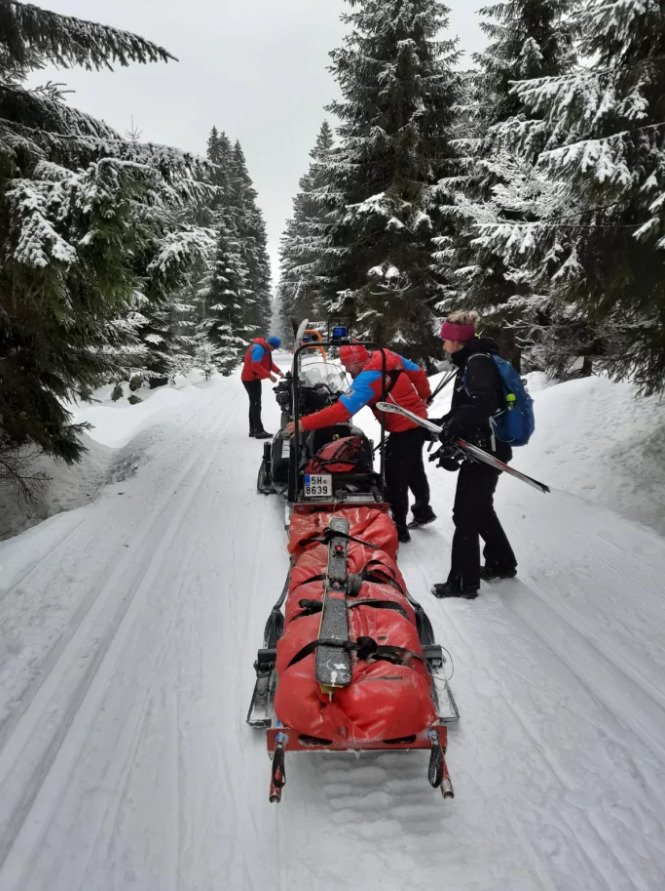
{"points": [[127, 636]]}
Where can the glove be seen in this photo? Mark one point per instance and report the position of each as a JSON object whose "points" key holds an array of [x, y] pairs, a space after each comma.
{"points": [[446, 437], [445, 458]]}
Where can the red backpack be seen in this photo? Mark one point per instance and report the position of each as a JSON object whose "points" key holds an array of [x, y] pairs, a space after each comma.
{"points": [[347, 454]]}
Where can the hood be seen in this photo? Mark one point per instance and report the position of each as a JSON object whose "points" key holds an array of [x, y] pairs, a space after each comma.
{"points": [[475, 345]]}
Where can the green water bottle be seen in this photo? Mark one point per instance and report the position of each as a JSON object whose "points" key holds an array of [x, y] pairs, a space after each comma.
{"points": [[511, 399]]}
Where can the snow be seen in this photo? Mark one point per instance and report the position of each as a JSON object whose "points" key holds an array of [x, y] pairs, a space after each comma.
{"points": [[129, 627]]}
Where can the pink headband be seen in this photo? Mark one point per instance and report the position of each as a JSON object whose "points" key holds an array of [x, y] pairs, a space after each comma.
{"points": [[458, 332]]}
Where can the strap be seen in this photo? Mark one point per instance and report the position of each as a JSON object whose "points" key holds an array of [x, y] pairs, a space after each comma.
{"points": [[394, 377], [312, 607], [381, 575], [328, 534], [365, 648]]}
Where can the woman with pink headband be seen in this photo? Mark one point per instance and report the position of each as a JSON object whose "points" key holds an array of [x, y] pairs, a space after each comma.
{"points": [[478, 394]]}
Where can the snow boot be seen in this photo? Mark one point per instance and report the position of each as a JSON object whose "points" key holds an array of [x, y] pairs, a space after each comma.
{"points": [[422, 518], [403, 534], [490, 572], [449, 589], [263, 434]]}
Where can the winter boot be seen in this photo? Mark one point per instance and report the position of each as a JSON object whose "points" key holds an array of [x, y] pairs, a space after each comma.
{"points": [[422, 518], [449, 589], [491, 571], [262, 434], [403, 534]]}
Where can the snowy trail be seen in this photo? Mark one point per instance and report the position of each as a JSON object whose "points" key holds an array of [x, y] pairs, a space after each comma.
{"points": [[129, 628]]}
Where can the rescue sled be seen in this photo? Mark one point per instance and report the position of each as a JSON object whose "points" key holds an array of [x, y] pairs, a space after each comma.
{"points": [[349, 660]]}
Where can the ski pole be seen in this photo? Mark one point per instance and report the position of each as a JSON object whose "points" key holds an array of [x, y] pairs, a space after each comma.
{"points": [[441, 385]]}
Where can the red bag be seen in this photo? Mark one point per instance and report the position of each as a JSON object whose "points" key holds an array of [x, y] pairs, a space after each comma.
{"points": [[344, 455], [385, 701]]}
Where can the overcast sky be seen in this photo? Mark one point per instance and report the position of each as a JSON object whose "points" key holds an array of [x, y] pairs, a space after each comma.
{"points": [[255, 68]]}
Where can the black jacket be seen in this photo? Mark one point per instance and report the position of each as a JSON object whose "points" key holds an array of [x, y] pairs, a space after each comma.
{"points": [[477, 398]]}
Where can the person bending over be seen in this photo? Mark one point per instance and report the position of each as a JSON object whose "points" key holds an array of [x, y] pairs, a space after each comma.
{"points": [[406, 384]]}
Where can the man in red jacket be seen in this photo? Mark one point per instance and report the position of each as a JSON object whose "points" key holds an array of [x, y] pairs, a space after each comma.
{"points": [[257, 367], [407, 385]]}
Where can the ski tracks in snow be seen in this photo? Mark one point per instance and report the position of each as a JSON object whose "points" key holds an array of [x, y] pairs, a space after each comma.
{"points": [[94, 690], [556, 683], [125, 761]]}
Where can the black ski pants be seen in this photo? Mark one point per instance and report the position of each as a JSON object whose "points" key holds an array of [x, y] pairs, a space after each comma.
{"points": [[254, 392], [405, 470], [474, 518]]}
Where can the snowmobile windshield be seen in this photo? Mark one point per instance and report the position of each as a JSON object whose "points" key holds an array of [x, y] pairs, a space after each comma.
{"points": [[315, 373]]}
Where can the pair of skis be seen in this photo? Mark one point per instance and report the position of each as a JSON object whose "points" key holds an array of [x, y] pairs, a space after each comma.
{"points": [[469, 450]]}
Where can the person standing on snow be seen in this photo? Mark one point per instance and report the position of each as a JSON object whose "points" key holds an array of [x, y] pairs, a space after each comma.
{"points": [[406, 385], [258, 366], [478, 394]]}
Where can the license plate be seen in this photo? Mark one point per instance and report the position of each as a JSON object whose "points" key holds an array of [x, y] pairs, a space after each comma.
{"points": [[318, 485]]}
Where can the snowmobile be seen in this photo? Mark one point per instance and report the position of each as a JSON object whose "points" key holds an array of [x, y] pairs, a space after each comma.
{"points": [[314, 384], [349, 661]]}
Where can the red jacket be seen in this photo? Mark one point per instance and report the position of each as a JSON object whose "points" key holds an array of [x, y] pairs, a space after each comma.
{"points": [[258, 365], [408, 386]]}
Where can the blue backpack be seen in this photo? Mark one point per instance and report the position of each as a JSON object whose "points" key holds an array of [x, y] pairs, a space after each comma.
{"points": [[516, 422]]}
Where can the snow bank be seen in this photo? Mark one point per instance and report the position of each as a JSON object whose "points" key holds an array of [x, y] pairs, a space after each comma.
{"points": [[597, 440], [66, 487], [117, 444]]}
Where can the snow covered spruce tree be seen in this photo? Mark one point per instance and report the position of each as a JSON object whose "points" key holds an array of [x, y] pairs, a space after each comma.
{"points": [[224, 329], [67, 224], [602, 242], [527, 39], [176, 262], [300, 285], [233, 293], [253, 243], [398, 87]]}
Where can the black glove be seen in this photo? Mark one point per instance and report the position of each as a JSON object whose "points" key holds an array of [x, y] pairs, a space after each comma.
{"points": [[446, 457], [446, 437]]}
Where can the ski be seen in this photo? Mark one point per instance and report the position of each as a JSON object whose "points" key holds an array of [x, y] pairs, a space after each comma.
{"points": [[469, 450], [333, 663], [297, 342]]}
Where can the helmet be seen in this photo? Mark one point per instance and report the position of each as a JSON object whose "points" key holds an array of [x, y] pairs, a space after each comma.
{"points": [[353, 354], [274, 341]]}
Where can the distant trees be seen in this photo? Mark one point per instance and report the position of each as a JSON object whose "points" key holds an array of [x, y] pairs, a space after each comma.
{"points": [[104, 241]]}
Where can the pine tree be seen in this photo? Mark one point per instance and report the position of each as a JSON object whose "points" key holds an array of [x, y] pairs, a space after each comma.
{"points": [[84, 218], [300, 286], [602, 241], [66, 218], [527, 39], [224, 293], [252, 239], [398, 91], [174, 272]]}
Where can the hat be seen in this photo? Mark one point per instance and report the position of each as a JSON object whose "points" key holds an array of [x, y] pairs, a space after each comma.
{"points": [[458, 332], [274, 341], [353, 354]]}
